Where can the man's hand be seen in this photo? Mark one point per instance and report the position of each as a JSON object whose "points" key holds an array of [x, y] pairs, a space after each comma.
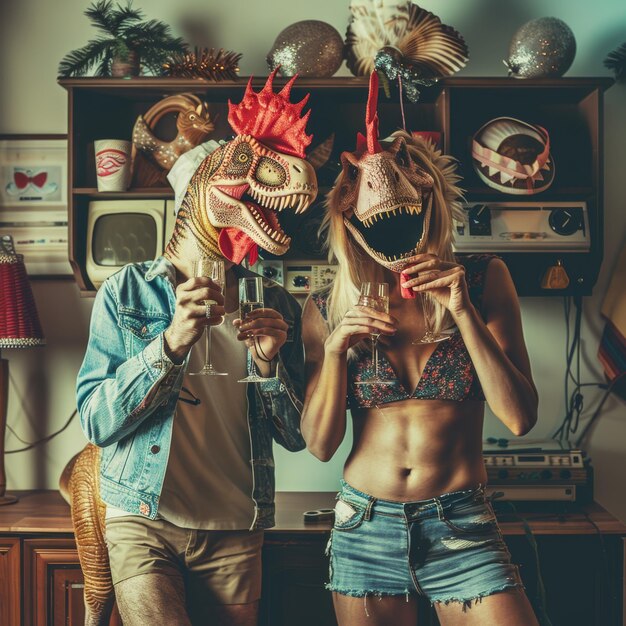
{"points": [[192, 315], [264, 331]]}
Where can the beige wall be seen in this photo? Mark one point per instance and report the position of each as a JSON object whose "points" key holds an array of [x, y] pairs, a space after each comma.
{"points": [[35, 34]]}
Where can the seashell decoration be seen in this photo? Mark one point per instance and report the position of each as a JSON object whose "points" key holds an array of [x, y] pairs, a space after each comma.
{"points": [[429, 48]]}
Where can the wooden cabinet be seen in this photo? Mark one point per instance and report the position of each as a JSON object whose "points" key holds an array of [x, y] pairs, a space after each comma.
{"points": [[10, 567], [569, 108], [580, 560], [53, 583]]}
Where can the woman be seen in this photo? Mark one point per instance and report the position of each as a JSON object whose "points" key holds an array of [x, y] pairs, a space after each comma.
{"points": [[412, 518]]}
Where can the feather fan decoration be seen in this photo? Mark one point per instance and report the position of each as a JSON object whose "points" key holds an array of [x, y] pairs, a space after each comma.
{"points": [[417, 46]]}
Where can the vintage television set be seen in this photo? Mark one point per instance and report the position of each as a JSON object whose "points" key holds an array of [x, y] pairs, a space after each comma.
{"points": [[125, 231]]}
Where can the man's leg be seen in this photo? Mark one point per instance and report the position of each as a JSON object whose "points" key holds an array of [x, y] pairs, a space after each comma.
{"points": [[152, 599], [224, 577], [147, 570]]}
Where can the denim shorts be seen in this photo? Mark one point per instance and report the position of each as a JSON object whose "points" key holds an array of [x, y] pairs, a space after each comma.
{"points": [[448, 548]]}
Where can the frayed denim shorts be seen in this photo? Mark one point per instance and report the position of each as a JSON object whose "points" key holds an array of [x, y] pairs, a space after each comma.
{"points": [[448, 548]]}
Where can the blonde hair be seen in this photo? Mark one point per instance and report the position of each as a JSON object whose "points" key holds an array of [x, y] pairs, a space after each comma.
{"points": [[356, 266]]}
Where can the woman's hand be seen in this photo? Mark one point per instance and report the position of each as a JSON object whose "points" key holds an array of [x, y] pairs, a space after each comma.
{"points": [[264, 331], [444, 280], [359, 323], [190, 316]]}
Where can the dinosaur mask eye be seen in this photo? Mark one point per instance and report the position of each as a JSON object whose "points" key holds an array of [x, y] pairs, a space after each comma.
{"points": [[353, 172], [240, 160], [270, 172]]}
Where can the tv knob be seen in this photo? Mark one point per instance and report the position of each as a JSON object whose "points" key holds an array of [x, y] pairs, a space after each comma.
{"points": [[503, 473], [565, 473], [546, 474]]}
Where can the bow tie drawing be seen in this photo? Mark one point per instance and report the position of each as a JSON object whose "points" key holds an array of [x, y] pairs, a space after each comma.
{"points": [[22, 180]]}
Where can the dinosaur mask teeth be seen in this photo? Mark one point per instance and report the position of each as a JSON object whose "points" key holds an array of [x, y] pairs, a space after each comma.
{"points": [[268, 222], [410, 209], [298, 201], [390, 235]]}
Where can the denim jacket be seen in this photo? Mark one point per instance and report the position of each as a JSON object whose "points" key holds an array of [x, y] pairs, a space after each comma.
{"points": [[127, 390]]}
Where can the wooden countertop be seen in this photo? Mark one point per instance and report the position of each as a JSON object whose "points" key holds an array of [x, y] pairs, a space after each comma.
{"points": [[45, 512]]}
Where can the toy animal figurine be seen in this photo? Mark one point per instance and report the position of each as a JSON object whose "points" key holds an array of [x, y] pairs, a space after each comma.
{"points": [[193, 124], [231, 206], [79, 485]]}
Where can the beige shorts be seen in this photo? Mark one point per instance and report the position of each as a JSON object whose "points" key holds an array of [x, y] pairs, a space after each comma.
{"points": [[222, 565]]}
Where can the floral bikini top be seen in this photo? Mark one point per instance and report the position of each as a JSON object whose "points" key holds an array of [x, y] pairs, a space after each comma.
{"points": [[449, 373]]}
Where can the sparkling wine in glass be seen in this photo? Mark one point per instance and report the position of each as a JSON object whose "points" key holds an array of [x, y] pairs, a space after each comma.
{"points": [[213, 269], [428, 312], [375, 296], [250, 299]]}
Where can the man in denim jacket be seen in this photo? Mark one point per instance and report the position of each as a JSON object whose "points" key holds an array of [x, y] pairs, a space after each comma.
{"points": [[186, 469]]}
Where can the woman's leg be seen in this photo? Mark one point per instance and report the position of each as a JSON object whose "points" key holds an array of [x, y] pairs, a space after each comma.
{"points": [[375, 610], [509, 607]]}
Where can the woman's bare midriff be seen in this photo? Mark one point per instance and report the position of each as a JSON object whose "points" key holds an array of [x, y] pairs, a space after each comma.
{"points": [[417, 449]]}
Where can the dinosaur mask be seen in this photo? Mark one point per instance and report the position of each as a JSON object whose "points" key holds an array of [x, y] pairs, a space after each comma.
{"points": [[384, 195], [234, 198]]}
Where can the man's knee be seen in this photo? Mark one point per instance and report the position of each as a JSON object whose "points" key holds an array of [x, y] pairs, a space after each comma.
{"points": [[152, 599]]}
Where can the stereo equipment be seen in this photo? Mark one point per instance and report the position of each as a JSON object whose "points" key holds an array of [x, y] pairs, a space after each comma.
{"points": [[537, 470], [523, 227]]}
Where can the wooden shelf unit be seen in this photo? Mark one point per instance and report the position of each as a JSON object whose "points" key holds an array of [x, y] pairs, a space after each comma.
{"points": [[570, 108]]}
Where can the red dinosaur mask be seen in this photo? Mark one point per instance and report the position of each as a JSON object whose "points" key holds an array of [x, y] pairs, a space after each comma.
{"points": [[234, 198]]}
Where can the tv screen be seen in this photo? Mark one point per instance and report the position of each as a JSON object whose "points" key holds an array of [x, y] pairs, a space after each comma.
{"points": [[125, 231], [122, 238]]}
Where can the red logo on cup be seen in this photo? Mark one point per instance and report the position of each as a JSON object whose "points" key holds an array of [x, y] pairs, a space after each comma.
{"points": [[109, 161]]}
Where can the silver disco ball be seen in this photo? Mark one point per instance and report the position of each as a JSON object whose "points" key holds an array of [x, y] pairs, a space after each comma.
{"points": [[541, 48], [308, 48]]}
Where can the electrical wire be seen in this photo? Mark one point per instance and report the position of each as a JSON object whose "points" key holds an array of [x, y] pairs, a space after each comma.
{"points": [[596, 413], [574, 399], [45, 439]]}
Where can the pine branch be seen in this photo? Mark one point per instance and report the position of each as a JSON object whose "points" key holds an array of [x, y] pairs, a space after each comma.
{"points": [[152, 34], [99, 14], [78, 62], [123, 16], [104, 68], [616, 61]]}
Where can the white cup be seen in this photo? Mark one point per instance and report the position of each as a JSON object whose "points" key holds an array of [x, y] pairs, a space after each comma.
{"points": [[112, 164]]}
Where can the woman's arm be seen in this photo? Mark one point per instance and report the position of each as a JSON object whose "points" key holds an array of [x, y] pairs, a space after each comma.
{"points": [[324, 414], [496, 346], [498, 351]]}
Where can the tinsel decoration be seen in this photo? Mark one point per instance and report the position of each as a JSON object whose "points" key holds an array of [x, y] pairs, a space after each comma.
{"points": [[204, 63], [616, 62]]}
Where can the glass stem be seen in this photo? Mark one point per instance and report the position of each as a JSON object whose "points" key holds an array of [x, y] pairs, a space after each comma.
{"points": [[207, 335], [375, 354], [426, 321]]}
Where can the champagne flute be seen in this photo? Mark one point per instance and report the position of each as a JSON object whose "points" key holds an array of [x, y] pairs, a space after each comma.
{"points": [[428, 312], [213, 269], [250, 299], [375, 296]]}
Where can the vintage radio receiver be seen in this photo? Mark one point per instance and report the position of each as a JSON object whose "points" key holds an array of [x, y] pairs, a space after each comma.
{"points": [[523, 227], [537, 471]]}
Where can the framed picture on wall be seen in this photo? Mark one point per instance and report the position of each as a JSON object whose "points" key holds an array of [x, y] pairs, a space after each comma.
{"points": [[33, 170], [33, 200]]}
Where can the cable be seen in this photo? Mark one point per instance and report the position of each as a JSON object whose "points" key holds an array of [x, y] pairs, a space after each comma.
{"points": [[30, 446], [574, 400], [605, 559], [596, 413]]}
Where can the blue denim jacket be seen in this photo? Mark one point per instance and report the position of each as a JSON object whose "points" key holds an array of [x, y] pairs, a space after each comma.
{"points": [[127, 390]]}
